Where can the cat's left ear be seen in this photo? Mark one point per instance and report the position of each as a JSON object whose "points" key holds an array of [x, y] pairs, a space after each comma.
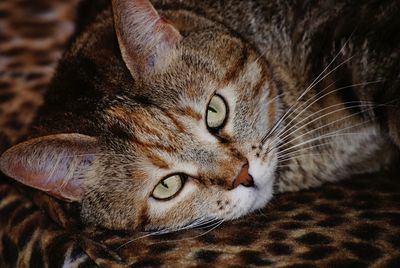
{"points": [[55, 164], [146, 40]]}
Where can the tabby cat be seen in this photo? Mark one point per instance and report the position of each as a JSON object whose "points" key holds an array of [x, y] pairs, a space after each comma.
{"points": [[175, 115]]}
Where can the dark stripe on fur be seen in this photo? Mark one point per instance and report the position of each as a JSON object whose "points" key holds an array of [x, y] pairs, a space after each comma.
{"points": [[8, 209], [238, 67], [143, 100], [121, 131], [22, 214], [10, 251], [25, 235], [37, 256], [261, 82], [56, 249], [347, 94]]}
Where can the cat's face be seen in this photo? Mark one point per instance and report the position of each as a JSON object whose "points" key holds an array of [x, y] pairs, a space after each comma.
{"points": [[198, 124], [183, 145]]}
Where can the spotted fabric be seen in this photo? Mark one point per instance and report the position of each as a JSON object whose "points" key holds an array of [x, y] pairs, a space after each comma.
{"points": [[355, 223]]}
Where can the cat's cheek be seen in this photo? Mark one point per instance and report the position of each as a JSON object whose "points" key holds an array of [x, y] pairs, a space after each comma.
{"points": [[264, 195], [263, 170]]}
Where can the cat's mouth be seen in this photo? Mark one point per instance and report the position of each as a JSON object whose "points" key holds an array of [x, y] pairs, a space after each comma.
{"points": [[248, 199], [255, 188], [263, 178]]}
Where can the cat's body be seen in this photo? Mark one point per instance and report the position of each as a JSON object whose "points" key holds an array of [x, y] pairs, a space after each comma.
{"points": [[329, 69]]}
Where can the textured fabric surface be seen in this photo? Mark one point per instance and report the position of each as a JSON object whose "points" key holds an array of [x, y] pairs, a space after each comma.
{"points": [[355, 223]]}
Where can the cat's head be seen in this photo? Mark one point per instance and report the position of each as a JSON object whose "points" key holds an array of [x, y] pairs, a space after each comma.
{"points": [[181, 141]]}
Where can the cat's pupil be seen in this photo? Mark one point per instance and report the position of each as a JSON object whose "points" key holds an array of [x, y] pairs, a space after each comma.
{"points": [[164, 184], [211, 109]]}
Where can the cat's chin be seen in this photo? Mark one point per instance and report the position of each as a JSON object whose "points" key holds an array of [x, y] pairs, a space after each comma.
{"points": [[249, 199]]}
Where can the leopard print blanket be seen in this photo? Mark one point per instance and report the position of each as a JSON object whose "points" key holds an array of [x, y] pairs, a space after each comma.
{"points": [[355, 223]]}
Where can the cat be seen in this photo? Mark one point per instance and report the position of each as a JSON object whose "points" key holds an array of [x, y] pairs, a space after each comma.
{"points": [[172, 114]]}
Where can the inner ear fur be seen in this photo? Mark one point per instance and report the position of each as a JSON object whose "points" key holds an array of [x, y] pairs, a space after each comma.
{"points": [[147, 41], [55, 164]]}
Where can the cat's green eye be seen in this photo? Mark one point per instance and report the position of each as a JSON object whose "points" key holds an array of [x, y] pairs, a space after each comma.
{"points": [[216, 112], [168, 187]]}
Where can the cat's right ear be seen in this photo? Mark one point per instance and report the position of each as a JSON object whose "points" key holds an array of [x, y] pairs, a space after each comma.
{"points": [[146, 40], [55, 164]]}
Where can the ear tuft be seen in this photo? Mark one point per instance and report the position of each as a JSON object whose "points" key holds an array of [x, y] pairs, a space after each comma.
{"points": [[147, 41], [55, 164]]}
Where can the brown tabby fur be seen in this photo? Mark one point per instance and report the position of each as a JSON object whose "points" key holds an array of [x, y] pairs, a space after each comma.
{"points": [[354, 223], [268, 52]]}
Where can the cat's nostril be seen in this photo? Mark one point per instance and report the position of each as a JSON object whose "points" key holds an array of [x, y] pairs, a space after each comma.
{"points": [[244, 178]]}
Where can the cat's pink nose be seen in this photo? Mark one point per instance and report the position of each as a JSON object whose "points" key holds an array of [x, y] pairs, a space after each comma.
{"points": [[244, 178]]}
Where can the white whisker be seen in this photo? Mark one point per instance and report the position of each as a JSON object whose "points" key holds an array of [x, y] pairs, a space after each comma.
{"points": [[313, 83], [298, 152], [289, 111], [319, 118], [198, 223], [323, 126], [329, 135], [324, 95]]}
